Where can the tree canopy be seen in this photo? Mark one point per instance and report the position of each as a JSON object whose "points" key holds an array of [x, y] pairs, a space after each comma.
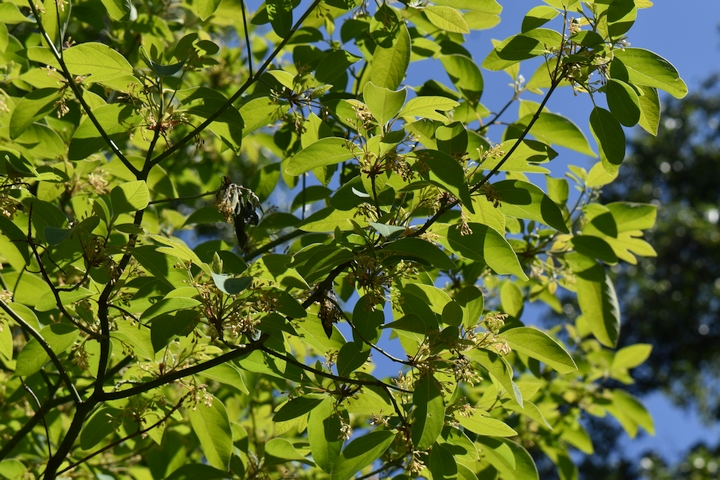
{"points": [[238, 242]]}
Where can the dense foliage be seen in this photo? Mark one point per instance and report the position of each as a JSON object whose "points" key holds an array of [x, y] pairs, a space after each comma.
{"points": [[213, 214]]}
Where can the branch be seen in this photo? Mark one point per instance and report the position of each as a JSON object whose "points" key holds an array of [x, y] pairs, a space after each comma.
{"points": [[496, 169], [189, 197], [103, 306], [41, 413], [239, 351], [351, 381], [243, 88], [78, 92], [270, 245], [36, 335], [30, 424], [128, 437]]}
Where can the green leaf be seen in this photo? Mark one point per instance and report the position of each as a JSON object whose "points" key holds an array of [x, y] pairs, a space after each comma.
{"points": [[649, 109], [631, 356], [10, 468], [486, 244], [117, 120], [651, 70], [429, 413], [512, 299], [326, 151], [610, 138], [212, 427], [118, 9], [599, 305], [296, 407], [47, 302], [389, 65], [165, 327], [472, 302], [333, 65], [465, 75], [446, 18], [324, 429], [137, 338], [168, 305], [350, 358], [500, 369], [129, 197], [360, 453], [105, 422], [447, 173], [421, 249], [540, 346], [279, 451], [555, 129], [328, 219], [594, 247], [231, 285], [623, 102], [631, 413], [486, 425], [33, 106], [197, 470], [32, 357], [598, 176], [281, 16], [383, 103], [441, 462], [630, 216], [537, 17], [100, 62], [521, 47], [510, 459], [525, 200], [205, 103], [428, 107], [524, 159], [205, 8], [11, 15]]}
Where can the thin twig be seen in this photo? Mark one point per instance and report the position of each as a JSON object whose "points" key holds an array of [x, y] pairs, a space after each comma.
{"points": [[243, 88], [248, 45], [189, 197], [78, 92], [39, 412], [54, 358], [352, 381], [128, 437], [270, 245]]}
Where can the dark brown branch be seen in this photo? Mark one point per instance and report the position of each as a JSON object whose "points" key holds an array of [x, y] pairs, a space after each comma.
{"points": [[128, 437]]}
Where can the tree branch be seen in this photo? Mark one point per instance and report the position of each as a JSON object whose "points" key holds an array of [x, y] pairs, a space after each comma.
{"points": [[78, 92], [36, 335], [128, 437], [243, 88], [239, 351]]}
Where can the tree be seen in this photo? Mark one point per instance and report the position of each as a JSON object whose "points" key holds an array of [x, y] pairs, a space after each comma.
{"points": [[671, 300], [133, 349]]}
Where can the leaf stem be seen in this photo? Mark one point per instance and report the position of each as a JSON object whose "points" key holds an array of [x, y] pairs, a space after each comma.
{"points": [[78, 92]]}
